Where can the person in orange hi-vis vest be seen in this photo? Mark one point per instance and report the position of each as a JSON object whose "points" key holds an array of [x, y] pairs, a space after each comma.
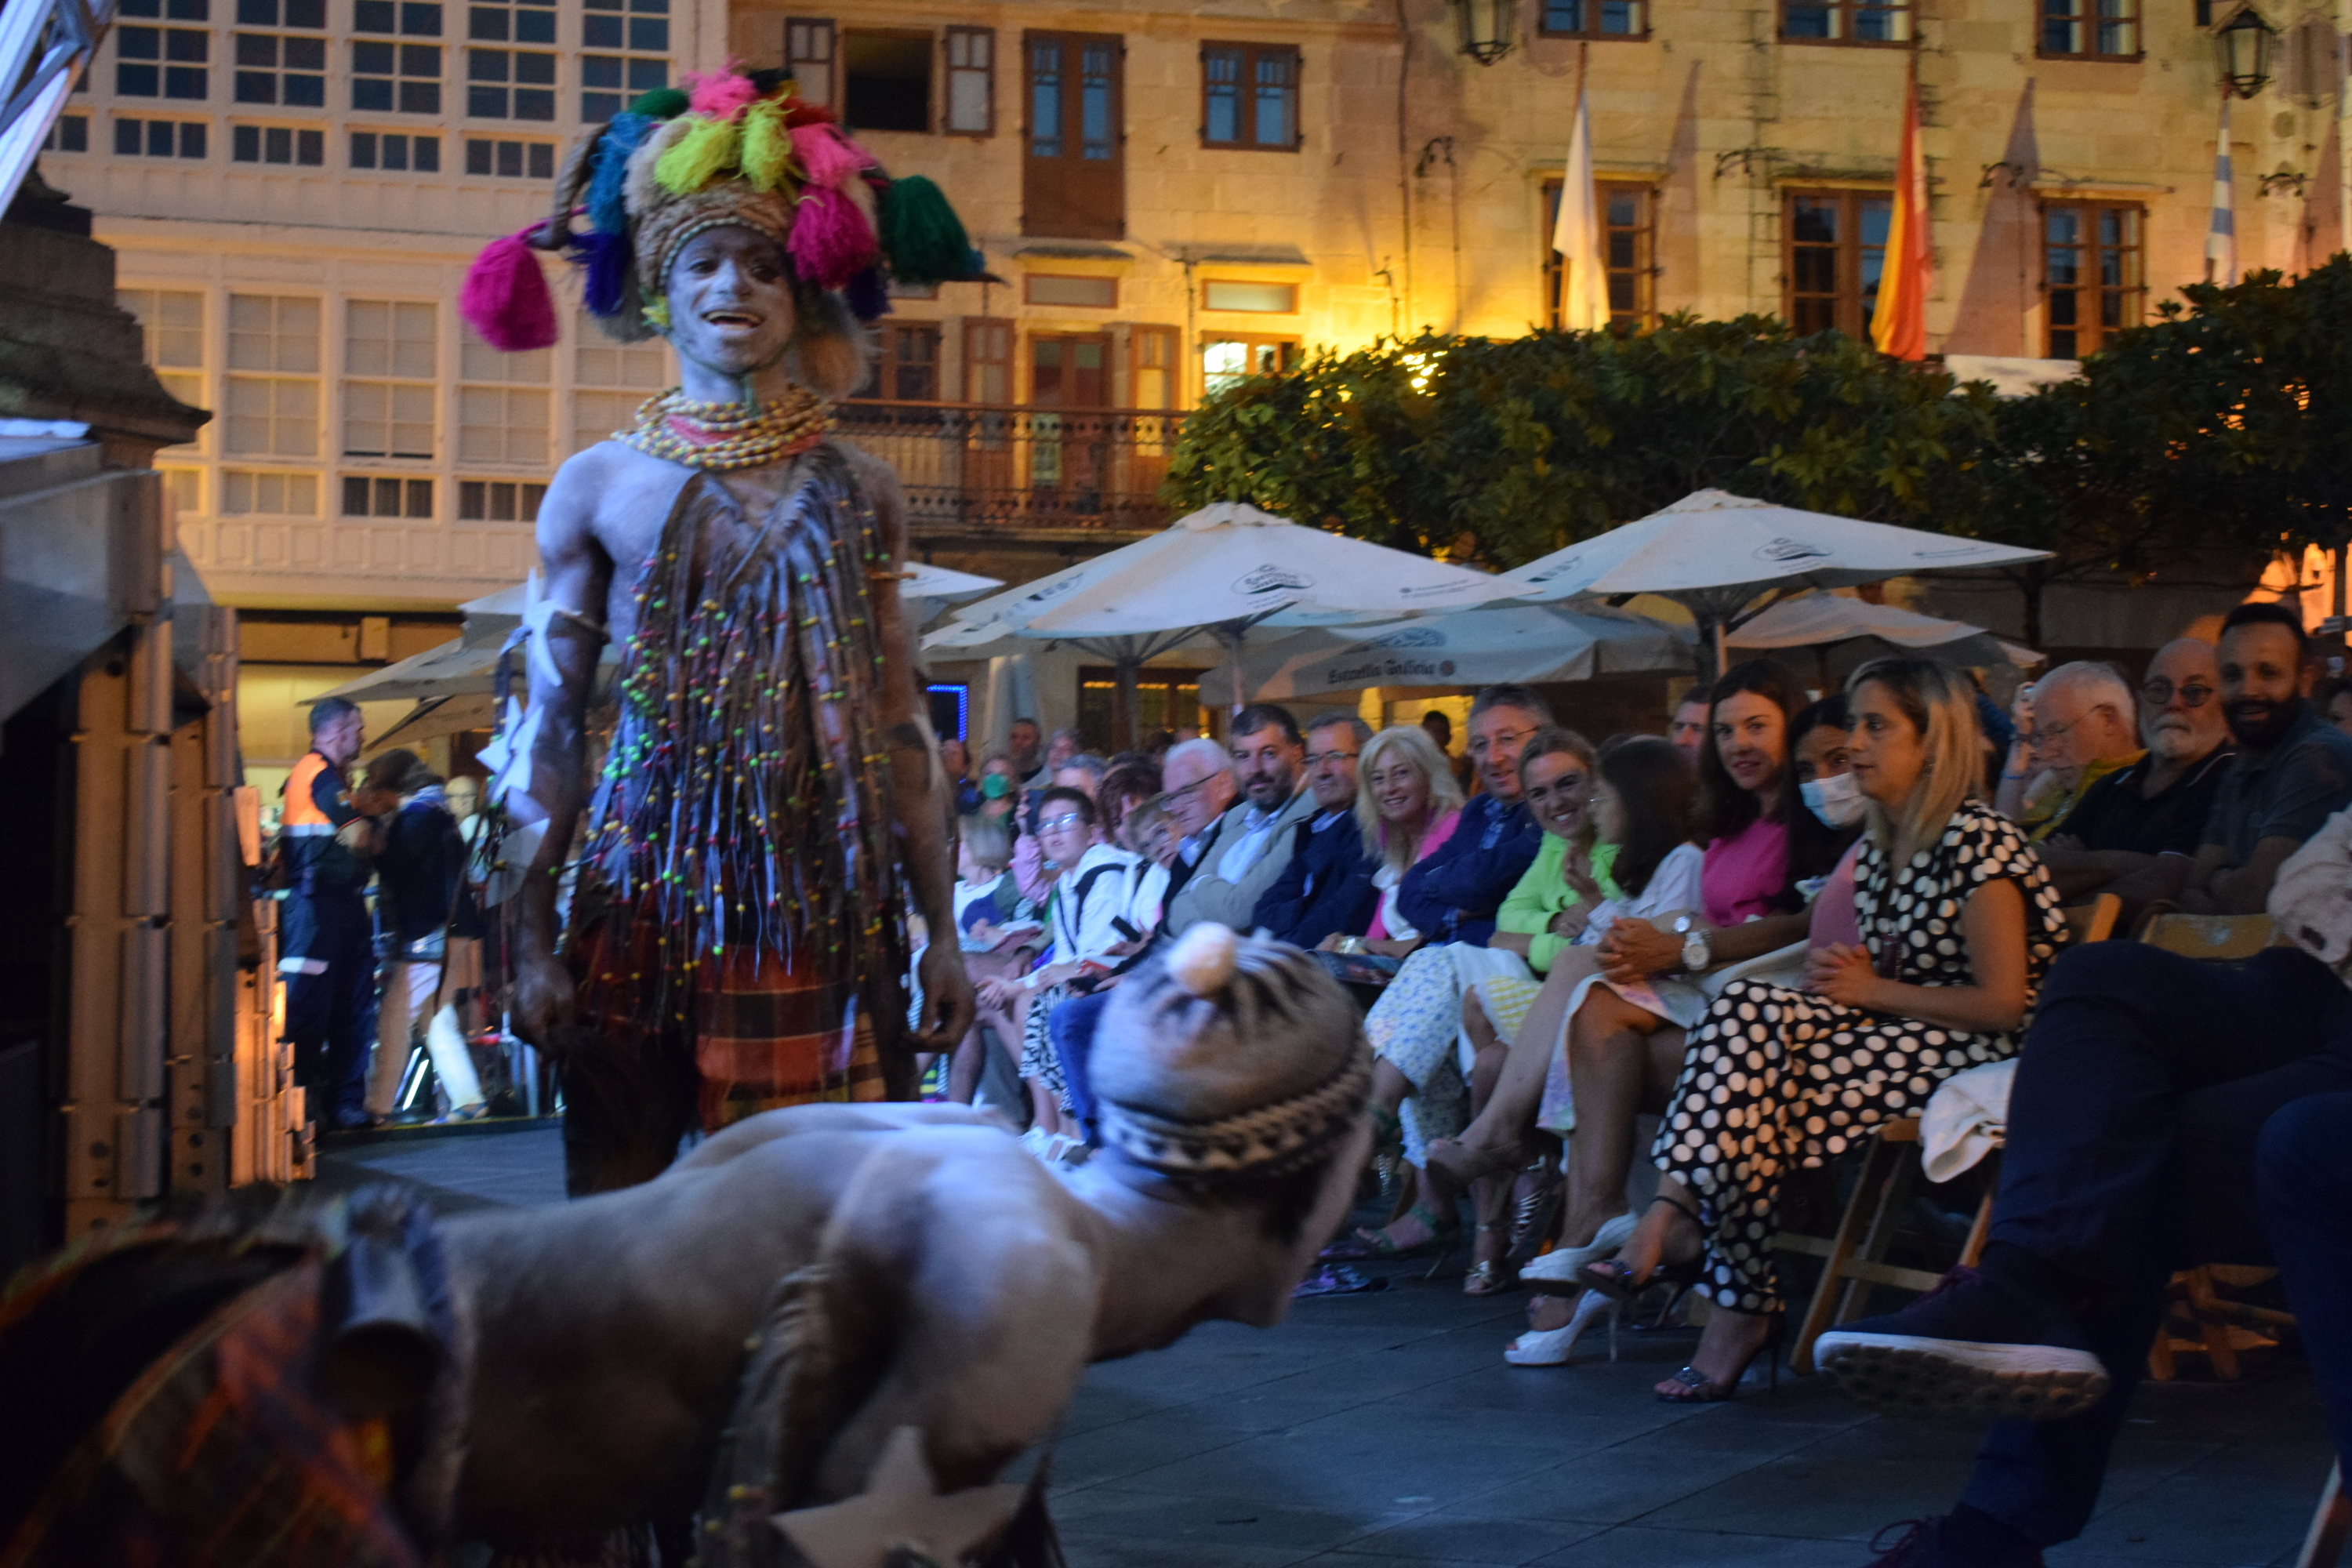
{"points": [[327, 950]]}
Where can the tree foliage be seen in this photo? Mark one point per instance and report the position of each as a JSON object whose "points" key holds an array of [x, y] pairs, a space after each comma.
{"points": [[2225, 427]]}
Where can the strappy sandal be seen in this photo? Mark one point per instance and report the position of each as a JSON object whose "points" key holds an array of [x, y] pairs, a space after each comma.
{"points": [[1490, 1275], [1614, 1278], [1693, 1386], [1472, 1164], [1536, 1198], [1377, 1244]]}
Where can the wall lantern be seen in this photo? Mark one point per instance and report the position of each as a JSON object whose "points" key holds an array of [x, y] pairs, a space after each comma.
{"points": [[2246, 45], [1487, 32]]}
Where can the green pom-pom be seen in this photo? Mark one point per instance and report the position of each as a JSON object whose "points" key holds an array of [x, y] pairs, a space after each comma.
{"points": [[767, 146], [662, 103], [695, 159], [921, 235]]}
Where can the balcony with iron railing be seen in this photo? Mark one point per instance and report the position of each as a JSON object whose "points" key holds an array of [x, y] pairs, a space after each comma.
{"points": [[983, 470]]}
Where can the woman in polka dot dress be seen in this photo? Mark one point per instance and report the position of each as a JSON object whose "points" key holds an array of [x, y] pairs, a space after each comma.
{"points": [[1959, 923]]}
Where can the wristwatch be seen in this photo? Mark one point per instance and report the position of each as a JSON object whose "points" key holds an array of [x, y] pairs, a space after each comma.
{"points": [[1697, 954]]}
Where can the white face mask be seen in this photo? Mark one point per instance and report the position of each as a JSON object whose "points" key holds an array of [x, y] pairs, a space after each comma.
{"points": [[1836, 800]]}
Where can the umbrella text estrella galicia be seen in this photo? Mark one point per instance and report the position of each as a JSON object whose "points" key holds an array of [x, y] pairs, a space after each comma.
{"points": [[1272, 579], [1787, 550]]}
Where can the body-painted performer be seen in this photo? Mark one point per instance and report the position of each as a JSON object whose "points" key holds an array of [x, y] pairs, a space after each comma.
{"points": [[771, 800], [772, 1331]]}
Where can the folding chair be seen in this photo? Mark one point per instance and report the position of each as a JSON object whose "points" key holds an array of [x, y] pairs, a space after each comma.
{"points": [[1855, 1258]]}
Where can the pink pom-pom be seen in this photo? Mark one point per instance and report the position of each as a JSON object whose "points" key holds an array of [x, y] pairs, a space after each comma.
{"points": [[831, 241], [721, 94], [829, 157], [506, 298]]}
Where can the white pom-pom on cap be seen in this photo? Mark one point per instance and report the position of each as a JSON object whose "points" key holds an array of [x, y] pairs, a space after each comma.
{"points": [[1203, 957]]}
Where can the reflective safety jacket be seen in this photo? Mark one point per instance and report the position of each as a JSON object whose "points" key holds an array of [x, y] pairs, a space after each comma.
{"points": [[319, 801]]}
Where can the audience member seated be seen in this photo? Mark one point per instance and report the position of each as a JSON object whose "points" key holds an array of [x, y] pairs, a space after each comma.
{"points": [[1087, 918], [955, 761], [1000, 792], [1623, 1045], [2159, 806], [1251, 844], [2082, 731], [1639, 863], [1081, 771], [1198, 778], [1025, 744], [1440, 731], [2333, 698], [1687, 726], [2293, 768], [1326, 889], [1452, 893], [1425, 1072], [1151, 836], [1407, 803], [1959, 923], [2133, 1131], [1131, 781]]}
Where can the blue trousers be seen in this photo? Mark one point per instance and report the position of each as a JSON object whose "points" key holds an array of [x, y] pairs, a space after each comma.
{"points": [[2303, 1165], [330, 971], [2140, 1092]]}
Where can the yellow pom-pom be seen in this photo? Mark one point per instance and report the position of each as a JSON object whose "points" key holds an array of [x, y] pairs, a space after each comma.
{"points": [[657, 313], [767, 146], [696, 158]]}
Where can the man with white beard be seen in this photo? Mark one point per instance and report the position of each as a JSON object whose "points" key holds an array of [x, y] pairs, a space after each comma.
{"points": [[2110, 841]]}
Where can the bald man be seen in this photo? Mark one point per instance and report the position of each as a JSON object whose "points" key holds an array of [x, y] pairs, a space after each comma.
{"points": [[2157, 806]]}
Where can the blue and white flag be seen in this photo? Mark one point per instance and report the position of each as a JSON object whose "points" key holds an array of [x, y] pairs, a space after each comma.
{"points": [[2221, 229]]}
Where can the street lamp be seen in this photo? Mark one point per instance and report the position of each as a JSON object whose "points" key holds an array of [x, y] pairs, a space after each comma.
{"points": [[1487, 35], [2245, 44]]}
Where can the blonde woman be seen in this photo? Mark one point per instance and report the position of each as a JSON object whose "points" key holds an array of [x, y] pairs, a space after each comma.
{"points": [[1407, 803], [1958, 925]]}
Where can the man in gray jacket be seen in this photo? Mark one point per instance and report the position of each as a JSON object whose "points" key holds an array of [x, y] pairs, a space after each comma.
{"points": [[1250, 845]]}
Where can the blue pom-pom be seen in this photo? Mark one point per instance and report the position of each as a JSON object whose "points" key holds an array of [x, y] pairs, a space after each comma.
{"points": [[607, 259], [869, 295], [623, 137], [976, 265]]}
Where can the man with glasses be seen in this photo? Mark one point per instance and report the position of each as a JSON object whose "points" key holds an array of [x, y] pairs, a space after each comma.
{"points": [[1327, 887], [2082, 730], [1452, 893], [2157, 806], [1250, 845], [1197, 781]]}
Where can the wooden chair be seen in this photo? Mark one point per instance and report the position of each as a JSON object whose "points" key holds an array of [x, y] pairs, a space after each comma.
{"points": [[2224, 1327], [1855, 1258]]}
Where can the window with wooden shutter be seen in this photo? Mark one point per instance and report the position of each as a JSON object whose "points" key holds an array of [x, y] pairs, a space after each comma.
{"points": [[987, 361], [808, 56], [971, 81], [1834, 251], [1072, 184]]}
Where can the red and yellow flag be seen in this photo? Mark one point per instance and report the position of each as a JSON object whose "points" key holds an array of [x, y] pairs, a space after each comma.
{"points": [[1898, 326]]}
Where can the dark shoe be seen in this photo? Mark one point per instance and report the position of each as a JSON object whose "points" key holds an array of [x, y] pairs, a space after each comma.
{"points": [[1929, 1543], [1969, 1346]]}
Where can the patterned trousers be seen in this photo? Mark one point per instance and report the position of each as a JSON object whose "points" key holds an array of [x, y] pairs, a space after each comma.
{"points": [[1778, 1080]]}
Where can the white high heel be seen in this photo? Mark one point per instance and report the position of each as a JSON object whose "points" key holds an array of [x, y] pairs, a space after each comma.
{"points": [[1550, 1347], [1560, 1272]]}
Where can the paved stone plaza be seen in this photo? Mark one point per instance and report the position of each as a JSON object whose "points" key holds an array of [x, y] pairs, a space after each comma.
{"points": [[1384, 1430]]}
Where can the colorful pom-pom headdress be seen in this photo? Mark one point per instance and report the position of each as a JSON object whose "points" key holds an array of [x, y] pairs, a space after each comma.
{"points": [[741, 148]]}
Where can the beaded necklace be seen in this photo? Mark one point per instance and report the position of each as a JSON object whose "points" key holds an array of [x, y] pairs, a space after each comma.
{"points": [[720, 436]]}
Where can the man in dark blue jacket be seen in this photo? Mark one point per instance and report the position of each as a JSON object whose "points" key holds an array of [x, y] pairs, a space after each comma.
{"points": [[1327, 887], [1452, 896]]}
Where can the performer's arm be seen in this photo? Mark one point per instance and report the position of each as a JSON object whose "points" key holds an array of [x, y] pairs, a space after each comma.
{"points": [[578, 576], [922, 801]]}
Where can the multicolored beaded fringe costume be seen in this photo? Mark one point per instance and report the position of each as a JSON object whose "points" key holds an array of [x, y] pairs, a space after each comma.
{"points": [[743, 806]]}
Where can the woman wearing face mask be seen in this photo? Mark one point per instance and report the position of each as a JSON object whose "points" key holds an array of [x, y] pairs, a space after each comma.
{"points": [[1958, 922], [999, 791]]}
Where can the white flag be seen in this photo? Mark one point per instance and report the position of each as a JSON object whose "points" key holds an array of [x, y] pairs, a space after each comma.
{"points": [[1579, 233], [2221, 229]]}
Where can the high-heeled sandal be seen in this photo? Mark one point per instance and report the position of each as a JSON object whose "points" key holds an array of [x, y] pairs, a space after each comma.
{"points": [[1490, 1276], [1550, 1347], [1378, 1244], [1472, 1164], [1612, 1276], [1536, 1198], [1695, 1387], [1560, 1272]]}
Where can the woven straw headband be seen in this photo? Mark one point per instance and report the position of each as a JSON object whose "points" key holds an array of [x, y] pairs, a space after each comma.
{"points": [[1269, 1140]]}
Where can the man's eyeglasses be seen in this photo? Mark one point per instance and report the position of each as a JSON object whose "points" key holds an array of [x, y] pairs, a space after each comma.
{"points": [[1317, 759], [1068, 819], [1187, 793], [1485, 743], [2158, 692]]}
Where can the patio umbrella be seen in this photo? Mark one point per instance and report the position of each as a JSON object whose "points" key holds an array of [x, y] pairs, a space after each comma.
{"points": [[1715, 552], [1220, 570], [1844, 633], [1473, 647]]}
